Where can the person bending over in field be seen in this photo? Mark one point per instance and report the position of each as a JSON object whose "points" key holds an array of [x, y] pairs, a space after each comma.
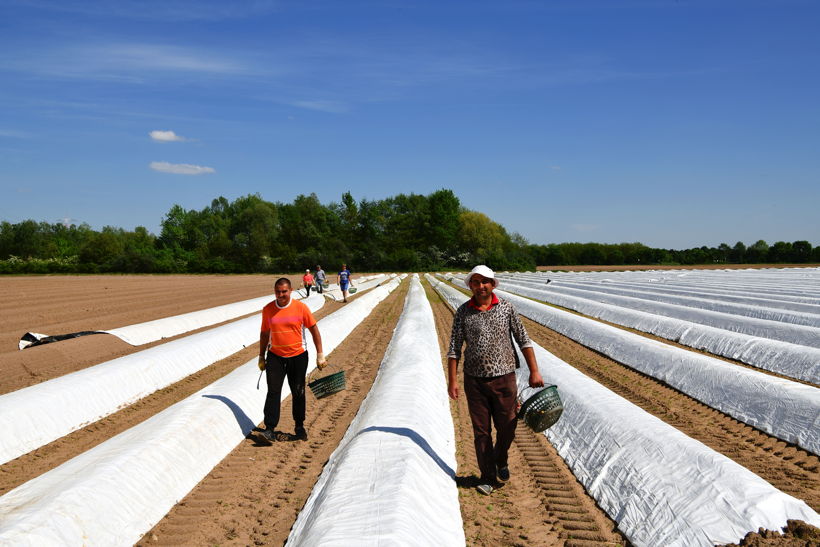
{"points": [[283, 353]]}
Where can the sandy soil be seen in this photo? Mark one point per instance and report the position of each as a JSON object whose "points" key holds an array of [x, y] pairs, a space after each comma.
{"points": [[253, 496]]}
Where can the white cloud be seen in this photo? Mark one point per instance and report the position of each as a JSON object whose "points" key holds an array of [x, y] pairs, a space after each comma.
{"points": [[334, 107], [181, 168], [166, 136]]}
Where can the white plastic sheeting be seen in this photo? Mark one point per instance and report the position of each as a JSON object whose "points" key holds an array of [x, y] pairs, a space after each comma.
{"points": [[764, 328], [391, 479], [36, 415], [793, 360], [660, 486], [118, 490], [780, 407], [749, 307], [333, 291], [168, 327]]}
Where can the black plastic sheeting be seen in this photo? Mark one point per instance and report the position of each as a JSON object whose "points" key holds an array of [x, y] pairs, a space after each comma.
{"points": [[31, 339]]}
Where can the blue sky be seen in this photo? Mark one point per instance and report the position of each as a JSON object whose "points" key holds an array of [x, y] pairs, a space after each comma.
{"points": [[673, 123]]}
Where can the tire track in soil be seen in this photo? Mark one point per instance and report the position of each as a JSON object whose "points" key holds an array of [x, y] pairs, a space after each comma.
{"points": [[542, 504], [40, 460], [784, 465], [254, 495]]}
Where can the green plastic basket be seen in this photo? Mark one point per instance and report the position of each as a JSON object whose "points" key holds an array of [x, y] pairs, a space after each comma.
{"points": [[328, 385], [542, 410]]}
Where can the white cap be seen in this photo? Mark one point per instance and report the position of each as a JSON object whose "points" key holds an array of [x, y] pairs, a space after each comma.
{"points": [[307, 270], [481, 270]]}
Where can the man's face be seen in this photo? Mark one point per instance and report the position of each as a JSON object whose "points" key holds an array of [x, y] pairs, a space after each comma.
{"points": [[282, 293], [480, 285]]}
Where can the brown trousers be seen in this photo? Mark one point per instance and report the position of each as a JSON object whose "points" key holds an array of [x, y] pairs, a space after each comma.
{"points": [[492, 400]]}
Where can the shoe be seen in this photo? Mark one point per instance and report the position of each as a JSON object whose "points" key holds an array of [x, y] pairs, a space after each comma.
{"points": [[301, 434], [503, 474], [485, 489], [269, 435]]}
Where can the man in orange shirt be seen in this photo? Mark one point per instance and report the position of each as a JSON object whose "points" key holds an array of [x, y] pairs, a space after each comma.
{"points": [[282, 337]]}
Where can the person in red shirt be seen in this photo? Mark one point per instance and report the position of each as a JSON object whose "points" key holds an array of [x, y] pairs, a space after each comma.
{"points": [[283, 353], [307, 281]]}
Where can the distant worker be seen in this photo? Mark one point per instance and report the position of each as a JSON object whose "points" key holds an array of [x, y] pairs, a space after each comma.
{"points": [[487, 325], [307, 282], [320, 279], [283, 353], [344, 281]]}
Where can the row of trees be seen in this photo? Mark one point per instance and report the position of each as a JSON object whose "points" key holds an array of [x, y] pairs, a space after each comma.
{"points": [[404, 232]]}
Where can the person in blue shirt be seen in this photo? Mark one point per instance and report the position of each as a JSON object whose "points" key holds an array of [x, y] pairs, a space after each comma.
{"points": [[343, 279]]}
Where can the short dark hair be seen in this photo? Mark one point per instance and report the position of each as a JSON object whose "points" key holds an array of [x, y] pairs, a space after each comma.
{"points": [[282, 281]]}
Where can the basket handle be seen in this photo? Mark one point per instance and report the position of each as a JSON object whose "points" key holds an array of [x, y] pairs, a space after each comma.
{"points": [[315, 370]]}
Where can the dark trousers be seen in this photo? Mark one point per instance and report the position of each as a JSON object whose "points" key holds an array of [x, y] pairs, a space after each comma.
{"points": [[276, 369], [319, 287], [492, 400], [307, 290]]}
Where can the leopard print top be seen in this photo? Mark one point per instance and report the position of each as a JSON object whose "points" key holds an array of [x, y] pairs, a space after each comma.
{"points": [[489, 350]]}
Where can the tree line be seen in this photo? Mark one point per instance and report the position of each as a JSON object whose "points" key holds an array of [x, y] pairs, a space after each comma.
{"points": [[400, 233]]}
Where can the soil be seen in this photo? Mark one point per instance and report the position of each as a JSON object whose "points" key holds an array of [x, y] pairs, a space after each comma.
{"points": [[253, 496]]}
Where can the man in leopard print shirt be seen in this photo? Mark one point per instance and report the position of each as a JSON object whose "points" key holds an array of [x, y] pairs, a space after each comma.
{"points": [[488, 324]]}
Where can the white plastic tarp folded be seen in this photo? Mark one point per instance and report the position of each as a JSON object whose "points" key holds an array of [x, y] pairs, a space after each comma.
{"points": [[391, 480], [118, 490], [660, 486], [793, 360], [36, 415], [780, 407]]}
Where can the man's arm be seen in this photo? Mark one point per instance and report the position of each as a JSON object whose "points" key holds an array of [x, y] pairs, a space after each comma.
{"points": [[321, 362], [452, 377], [264, 338], [535, 376]]}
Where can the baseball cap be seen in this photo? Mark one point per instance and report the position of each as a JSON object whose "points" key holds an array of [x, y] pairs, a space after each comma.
{"points": [[481, 270]]}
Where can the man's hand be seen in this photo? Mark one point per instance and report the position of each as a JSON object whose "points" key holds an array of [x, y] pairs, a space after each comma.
{"points": [[536, 380], [261, 363], [321, 362], [452, 390]]}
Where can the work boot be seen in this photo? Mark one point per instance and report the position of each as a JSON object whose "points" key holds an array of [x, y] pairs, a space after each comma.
{"points": [[301, 434]]}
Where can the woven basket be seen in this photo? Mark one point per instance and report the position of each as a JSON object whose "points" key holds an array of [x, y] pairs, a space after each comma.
{"points": [[328, 385], [542, 410]]}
